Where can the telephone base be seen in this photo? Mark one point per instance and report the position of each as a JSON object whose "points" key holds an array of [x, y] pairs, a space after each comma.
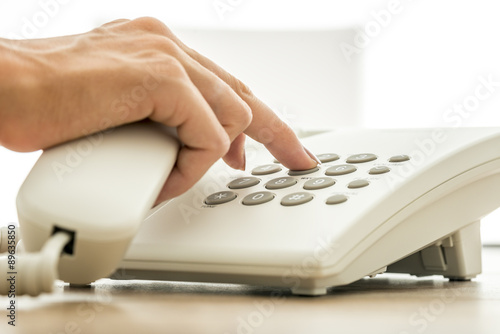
{"points": [[413, 204]]}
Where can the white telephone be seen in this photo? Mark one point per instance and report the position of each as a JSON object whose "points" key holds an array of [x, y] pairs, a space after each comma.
{"points": [[383, 200]]}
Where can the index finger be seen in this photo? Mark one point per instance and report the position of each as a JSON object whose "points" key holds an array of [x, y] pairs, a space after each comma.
{"points": [[266, 127]]}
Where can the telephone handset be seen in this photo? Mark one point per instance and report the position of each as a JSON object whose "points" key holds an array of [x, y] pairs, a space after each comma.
{"points": [[98, 189], [383, 200]]}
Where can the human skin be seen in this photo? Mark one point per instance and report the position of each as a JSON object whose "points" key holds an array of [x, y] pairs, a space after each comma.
{"points": [[58, 89]]}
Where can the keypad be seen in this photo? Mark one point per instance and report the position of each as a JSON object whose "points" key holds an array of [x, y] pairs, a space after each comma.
{"points": [[328, 175]]}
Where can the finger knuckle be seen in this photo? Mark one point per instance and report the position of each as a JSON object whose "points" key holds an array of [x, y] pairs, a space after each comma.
{"points": [[245, 115], [150, 24], [159, 47], [241, 88], [170, 68], [220, 143], [231, 107]]}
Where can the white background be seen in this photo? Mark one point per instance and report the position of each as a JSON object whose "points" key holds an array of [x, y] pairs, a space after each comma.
{"points": [[426, 59]]}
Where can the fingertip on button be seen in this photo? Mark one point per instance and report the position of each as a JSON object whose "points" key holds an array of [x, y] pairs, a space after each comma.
{"points": [[303, 172], [314, 158]]}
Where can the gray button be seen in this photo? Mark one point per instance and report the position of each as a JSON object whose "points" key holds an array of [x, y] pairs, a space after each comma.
{"points": [[357, 184], [379, 170], [243, 182], [340, 170], [266, 169], [220, 198], [296, 199], [281, 182], [327, 157], [336, 199], [399, 158], [258, 198], [363, 157], [303, 172], [319, 183]]}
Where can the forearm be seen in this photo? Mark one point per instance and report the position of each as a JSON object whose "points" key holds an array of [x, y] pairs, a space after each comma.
{"points": [[17, 81]]}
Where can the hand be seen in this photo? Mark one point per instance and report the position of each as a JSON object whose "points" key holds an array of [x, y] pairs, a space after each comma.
{"points": [[54, 90]]}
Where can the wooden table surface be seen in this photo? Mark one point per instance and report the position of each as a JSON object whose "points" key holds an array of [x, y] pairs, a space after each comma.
{"points": [[389, 303]]}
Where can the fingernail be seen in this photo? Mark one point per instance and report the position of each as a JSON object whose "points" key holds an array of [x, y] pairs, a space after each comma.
{"points": [[309, 153]]}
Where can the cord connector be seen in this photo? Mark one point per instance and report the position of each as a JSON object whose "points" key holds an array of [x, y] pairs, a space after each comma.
{"points": [[33, 273]]}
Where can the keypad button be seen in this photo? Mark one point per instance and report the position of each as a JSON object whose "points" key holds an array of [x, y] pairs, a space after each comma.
{"points": [[281, 182], [296, 198], [399, 158], [266, 169], [220, 197], [379, 170], [243, 182], [303, 172], [327, 157], [358, 184], [319, 183], [363, 157], [336, 199], [258, 198], [340, 170]]}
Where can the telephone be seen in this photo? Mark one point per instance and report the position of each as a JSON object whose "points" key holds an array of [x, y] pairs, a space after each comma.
{"points": [[395, 200]]}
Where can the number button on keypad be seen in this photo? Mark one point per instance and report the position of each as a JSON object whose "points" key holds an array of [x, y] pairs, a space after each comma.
{"points": [[243, 182], [363, 157], [258, 198], [303, 172], [281, 182], [319, 183], [266, 169], [327, 157], [340, 170]]}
